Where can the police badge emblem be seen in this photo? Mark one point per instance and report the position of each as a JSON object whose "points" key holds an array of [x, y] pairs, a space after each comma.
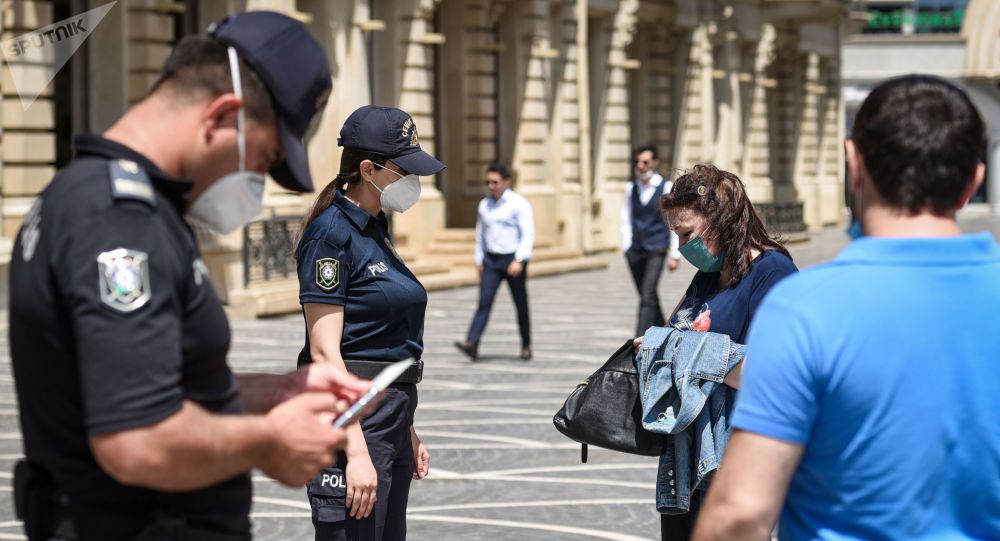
{"points": [[327, 273], [124, 279]]}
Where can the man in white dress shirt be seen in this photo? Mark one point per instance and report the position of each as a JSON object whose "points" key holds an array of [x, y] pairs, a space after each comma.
{"points": [[505, 235], [646, 239]]}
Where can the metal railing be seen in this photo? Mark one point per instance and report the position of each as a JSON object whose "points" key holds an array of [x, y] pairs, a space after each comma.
{"points": [[781, 218], [267, 249]]}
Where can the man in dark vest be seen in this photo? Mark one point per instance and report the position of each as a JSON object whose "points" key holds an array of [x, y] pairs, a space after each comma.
{"points": [[646, 239]]}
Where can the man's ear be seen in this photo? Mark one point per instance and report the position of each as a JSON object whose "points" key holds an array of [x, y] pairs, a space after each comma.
{"points": [[971, 187], [855, 166], [220, 112]]}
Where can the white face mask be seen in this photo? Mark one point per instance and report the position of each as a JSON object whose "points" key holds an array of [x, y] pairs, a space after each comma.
{"points": [[237, 198], [400, 195]]}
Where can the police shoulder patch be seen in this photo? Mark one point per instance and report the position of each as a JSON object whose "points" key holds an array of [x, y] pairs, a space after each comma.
{"points": [[124, 279], [327, 273], [130, 181]]}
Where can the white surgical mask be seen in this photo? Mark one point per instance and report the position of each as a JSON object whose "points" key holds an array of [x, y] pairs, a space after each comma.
{"points": [[400, 195], [234, 200]]}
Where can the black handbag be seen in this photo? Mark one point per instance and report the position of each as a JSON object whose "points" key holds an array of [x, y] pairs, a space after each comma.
{"points": [[605, 410]]}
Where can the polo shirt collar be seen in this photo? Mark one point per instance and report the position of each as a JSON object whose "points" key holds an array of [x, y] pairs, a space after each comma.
{"points": [[356, 214], [958, 250], [175, 189]]}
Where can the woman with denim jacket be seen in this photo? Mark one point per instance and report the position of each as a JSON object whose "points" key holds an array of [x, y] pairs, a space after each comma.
{"points": [[738, 262]]}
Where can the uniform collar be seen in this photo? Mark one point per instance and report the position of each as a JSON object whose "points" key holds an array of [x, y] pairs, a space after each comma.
{"points": [[175, 189], [961, 250], [356, 214]]}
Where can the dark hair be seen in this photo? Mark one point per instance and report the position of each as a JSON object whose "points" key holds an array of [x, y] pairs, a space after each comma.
{"points": [[643, 148], [500, 169], [733, 223], [198, 66], [350, 173], [921, 139]]}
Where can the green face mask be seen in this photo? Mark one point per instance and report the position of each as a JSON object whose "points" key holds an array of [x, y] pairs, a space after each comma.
{"points": [[698, 255]]}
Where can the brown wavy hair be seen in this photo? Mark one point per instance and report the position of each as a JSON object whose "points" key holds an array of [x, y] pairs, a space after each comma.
{"points": [[733, 223]]}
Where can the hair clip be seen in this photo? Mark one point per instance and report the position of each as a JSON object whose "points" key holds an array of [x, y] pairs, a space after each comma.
{"points": [[702, 190]]}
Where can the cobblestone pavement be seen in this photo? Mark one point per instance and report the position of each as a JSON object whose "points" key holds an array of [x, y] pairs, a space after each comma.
{"points": [[499, 470]]}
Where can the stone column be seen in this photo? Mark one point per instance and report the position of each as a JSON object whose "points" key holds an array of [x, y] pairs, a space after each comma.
{"points": [[29, 141], [612, 126], [756, 167], [528, 53], [564, 130], [993, 182], [416, 68]]}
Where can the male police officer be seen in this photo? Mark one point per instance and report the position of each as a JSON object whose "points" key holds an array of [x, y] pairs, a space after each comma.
{"points": [[118, 340]]}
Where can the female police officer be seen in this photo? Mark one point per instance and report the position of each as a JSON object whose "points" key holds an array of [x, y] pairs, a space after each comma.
{"points": [[364, 308]]}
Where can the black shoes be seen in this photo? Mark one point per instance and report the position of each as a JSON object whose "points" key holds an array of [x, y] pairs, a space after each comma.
{"points": [[468, 349], [471, 350]]}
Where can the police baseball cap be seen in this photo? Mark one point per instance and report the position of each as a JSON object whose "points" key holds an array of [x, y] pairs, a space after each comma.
{"points": [[295, 70], [388, 132]]}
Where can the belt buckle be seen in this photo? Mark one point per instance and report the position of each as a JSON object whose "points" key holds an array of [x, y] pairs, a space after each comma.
{"points": [[419, 365]]}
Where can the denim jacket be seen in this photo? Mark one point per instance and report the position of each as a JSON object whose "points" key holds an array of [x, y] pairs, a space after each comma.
{"points": [[683, 396]]}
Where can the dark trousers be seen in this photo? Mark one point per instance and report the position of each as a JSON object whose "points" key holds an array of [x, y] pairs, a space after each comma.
{"points": [[646, 269], [387, 434], [681, 527], [495, 272]]}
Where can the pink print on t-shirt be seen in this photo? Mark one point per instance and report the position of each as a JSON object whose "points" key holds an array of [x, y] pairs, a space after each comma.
{"points": [[703, 323]]}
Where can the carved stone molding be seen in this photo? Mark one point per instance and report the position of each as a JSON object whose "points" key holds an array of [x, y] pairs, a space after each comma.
{"points": [[626, 20]]}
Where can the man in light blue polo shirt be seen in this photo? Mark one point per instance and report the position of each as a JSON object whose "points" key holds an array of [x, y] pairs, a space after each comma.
{"points": [[870, 394]]}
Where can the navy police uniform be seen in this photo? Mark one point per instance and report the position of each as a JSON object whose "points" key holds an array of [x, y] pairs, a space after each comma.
{"points": [[113, 325], [346, 258]]}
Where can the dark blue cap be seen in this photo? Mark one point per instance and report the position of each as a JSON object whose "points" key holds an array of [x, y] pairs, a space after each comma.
{"points": [[388, 132], [295, 70]]}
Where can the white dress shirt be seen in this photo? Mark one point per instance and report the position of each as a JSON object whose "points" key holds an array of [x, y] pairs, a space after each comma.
{"points": [[505, 226], [646, 191]]}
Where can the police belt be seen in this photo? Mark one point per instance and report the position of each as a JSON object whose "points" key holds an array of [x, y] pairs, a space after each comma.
{"points": [[370, 369]]}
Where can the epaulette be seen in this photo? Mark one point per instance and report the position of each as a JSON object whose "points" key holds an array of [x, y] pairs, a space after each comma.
{"points": [[130, 181]]}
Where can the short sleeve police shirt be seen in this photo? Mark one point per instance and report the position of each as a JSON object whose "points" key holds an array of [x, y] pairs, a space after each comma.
{"points": [[346, 258], [114, 324]]}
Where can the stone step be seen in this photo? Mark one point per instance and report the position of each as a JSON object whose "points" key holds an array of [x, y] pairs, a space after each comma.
{"points": [[455, 235], [281, 296], [428, 267], [467, 257], [264, 299], [469, 277], [448, 239], [452, 246]]}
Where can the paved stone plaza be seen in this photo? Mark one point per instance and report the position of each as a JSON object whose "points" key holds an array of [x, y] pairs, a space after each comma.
{"points": [[499, 470]]}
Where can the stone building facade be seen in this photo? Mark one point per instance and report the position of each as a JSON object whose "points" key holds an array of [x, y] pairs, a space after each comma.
{"points": [[560, 89]]}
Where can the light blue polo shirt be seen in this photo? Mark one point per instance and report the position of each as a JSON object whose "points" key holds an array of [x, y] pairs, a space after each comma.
{"points": [[885, 365]]}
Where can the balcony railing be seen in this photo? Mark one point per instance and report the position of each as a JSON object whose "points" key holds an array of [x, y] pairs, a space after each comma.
{"points": [[781, 218], [267, 249]]}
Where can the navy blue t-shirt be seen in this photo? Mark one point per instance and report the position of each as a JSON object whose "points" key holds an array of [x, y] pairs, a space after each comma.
{"points": [[729, 311], [346, 258]]}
